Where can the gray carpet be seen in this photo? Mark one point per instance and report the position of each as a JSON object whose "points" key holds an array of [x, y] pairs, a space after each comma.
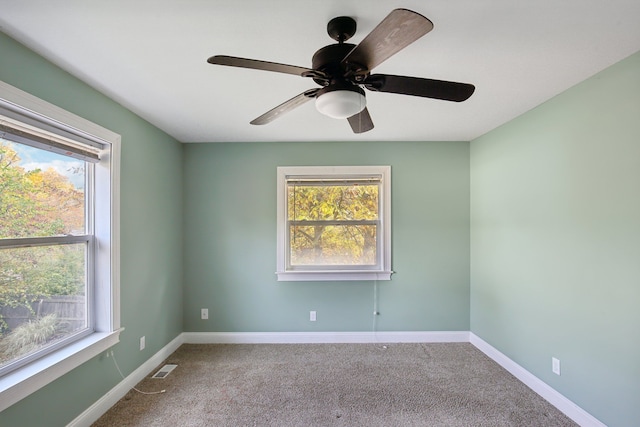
{"points": [[334, 385]]}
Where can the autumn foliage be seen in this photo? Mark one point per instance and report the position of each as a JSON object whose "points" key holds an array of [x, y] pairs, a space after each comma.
{"points": [[333, 224], [38, 203]]}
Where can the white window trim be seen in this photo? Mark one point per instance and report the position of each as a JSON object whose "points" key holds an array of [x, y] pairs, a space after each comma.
{"points": [[18, 384], [383, 273]]}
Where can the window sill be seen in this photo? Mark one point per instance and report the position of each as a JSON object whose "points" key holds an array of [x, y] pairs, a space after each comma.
{"points": [[22, 382], [332, 276]]}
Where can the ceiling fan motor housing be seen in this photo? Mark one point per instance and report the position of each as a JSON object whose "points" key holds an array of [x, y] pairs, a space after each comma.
{"points": [[340, 85], [329, 60], [341, 96]]}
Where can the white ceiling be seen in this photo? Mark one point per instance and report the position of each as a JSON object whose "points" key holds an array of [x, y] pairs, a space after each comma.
{"points": [[150, 56]]}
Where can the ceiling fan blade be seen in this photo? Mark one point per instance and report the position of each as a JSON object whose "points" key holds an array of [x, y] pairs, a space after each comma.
{"points": [[285, 107], [255, 64], [361, 122], [416, 86], [398, 30]]}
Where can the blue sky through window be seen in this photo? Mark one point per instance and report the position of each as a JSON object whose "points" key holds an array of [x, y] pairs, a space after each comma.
{"points": [[33, 158]]}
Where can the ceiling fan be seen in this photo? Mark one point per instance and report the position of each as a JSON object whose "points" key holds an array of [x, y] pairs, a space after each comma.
{"points": [[343, 69]]}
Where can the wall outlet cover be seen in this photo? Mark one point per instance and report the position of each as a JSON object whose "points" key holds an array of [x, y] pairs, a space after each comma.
{"points": [[555, 366]]}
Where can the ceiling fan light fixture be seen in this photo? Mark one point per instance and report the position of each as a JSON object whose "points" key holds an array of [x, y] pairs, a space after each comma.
{"points": [[341, 103]]}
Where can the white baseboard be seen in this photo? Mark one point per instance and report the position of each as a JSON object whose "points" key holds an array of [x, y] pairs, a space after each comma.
{"points": [[322, 337], [95, 411], [566, 406], [569, 408]]}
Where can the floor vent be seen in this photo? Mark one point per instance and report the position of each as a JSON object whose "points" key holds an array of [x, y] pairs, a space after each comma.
{"points": [[164, 371]]}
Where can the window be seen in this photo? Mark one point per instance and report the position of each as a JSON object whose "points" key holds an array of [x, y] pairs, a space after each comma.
{"points": [[334, 223], [59, 263]]}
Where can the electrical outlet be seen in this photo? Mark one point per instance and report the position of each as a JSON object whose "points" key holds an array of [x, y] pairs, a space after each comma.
{"points": [[312, 316], [204, 313], [142, 343], [555, 366]]}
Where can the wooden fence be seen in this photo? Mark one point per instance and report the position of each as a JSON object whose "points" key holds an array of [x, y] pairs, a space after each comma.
{"points": [[70, 311]]}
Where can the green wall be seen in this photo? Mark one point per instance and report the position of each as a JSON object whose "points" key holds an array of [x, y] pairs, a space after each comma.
{"points": [[230, 257], [151, 238], [555, 242]]}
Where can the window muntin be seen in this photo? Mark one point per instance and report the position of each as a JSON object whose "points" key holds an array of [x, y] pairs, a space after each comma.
{"points": [[46, 252], [334, 223]]}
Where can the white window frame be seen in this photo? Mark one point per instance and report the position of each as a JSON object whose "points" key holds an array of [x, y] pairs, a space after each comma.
{"points": [[381, 272], [105, 319]]}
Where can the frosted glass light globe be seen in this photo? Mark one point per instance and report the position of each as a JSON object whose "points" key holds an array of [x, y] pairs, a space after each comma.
{"points": [[340, 104]]}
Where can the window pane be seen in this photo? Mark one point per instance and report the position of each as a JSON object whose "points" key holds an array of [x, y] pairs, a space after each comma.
{"points": [[333, 245], [332, 202], [43, 297], [41, 193]]}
